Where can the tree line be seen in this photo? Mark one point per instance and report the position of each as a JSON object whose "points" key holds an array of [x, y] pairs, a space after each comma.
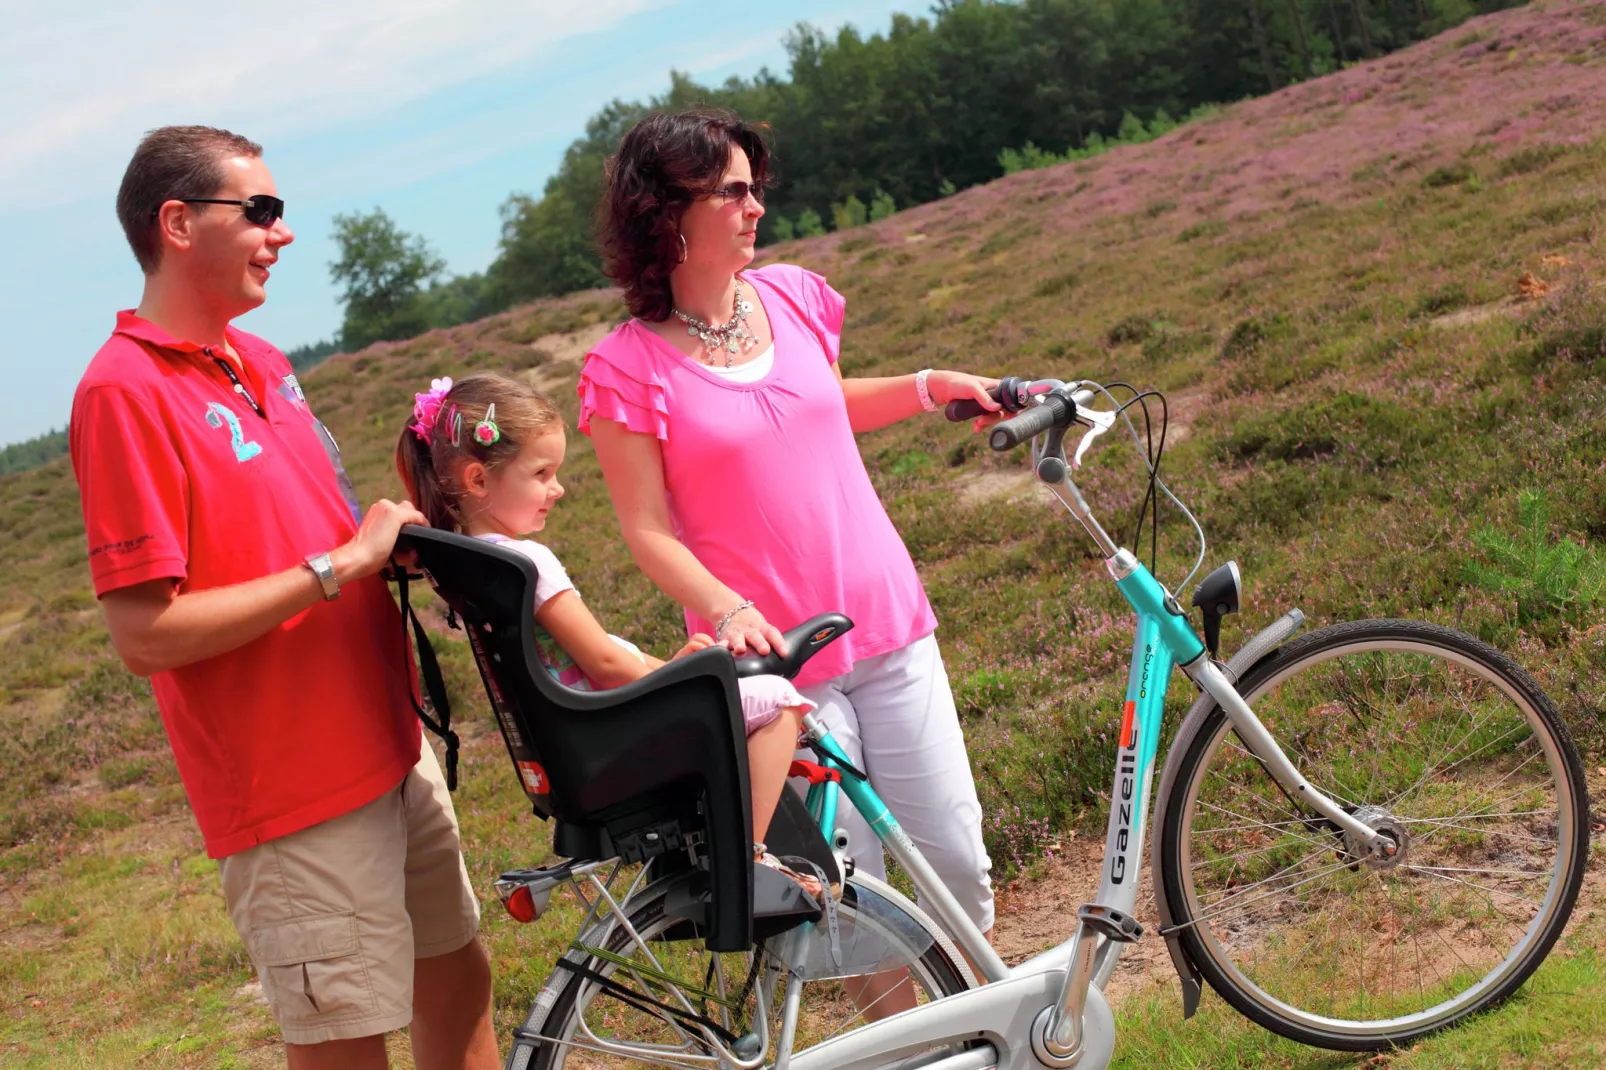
{"points": [[865, 125], [21, 456]]}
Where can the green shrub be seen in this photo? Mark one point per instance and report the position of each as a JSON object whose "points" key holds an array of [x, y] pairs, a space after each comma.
{"points": [[1168, 341], [1007, 237], [118, 773], [1028, 158], [1057, 284], [1356, 425], [910, 463], [1452, 174], [1528, 160], [781, 228], [1131, 330], [1444, 299], [1251, 333], [1132, 131], [882, 205], [809, 224], [849, 214], [1545, 577], [1209, 228]]}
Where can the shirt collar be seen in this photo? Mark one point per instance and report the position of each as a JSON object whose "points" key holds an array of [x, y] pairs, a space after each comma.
{"points": [[136, 327]]}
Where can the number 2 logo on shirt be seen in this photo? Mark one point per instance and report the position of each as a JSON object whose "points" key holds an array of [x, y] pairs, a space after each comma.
{"points": [[218, 415]]}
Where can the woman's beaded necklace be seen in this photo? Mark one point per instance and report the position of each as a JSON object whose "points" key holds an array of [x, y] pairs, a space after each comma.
{"points": [[726, 336]]}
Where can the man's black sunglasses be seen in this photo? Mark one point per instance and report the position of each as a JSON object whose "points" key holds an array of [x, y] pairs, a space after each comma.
{"points": [[260, 209]]}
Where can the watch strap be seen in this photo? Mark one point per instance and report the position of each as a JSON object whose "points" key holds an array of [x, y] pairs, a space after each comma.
{"points": [[323, 568]]}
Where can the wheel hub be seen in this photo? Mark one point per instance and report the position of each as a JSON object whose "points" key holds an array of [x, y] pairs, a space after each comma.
{"points": [[1396, 840]]}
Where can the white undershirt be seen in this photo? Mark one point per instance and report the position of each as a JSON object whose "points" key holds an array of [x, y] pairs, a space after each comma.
{"points": [[749, 372]]}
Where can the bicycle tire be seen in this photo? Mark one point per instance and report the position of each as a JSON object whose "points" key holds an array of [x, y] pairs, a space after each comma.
{"points": [[938, 968], [1474, 673]]}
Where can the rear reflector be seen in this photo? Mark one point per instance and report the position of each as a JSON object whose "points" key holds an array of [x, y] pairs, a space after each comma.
{"points": [[521, 904]]}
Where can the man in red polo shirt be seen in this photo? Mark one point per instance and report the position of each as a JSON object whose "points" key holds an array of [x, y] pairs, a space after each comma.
{"points": [[237, 572]]}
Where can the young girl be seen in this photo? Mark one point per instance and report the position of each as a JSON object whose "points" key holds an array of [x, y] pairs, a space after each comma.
{"points": [[481, 456]]}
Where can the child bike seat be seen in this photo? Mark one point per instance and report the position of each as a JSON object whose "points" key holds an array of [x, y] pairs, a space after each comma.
{"points": [[634, 772]]}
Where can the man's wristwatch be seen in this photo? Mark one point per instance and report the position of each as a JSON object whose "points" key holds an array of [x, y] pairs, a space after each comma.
{"points": [[324, 569]]}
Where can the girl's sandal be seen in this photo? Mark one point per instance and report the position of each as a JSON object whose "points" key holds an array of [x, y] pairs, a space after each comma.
{"points": [[809, 884]]}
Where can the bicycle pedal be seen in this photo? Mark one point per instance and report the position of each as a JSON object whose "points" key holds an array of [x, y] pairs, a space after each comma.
{"points": [[1110, 923]]}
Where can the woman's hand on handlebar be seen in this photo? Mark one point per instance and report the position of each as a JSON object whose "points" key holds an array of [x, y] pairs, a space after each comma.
{"points": [[948, 386], [748, 630]]}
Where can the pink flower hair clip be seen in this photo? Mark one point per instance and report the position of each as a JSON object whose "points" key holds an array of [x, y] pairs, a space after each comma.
{"points": [[427, 406], [486, 433]]}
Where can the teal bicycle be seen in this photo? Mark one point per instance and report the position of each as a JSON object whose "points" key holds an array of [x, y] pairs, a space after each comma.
{"points": [[1363, 835]]}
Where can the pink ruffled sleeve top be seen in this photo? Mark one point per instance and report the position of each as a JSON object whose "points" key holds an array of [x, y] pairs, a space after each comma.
{"points": [[766, 485]]}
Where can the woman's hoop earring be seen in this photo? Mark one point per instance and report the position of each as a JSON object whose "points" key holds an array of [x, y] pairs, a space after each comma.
{"points": [[682, 259]]}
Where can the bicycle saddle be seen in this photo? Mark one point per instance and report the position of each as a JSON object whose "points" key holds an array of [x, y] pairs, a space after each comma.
{"points": [[802, 643]]}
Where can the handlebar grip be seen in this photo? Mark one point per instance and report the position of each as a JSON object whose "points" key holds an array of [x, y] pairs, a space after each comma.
{"points": [[1010, 393], [1017, 429], [962, 409]]}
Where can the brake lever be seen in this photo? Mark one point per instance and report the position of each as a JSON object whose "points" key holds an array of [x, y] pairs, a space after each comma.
{"points": [[1098, 423]]}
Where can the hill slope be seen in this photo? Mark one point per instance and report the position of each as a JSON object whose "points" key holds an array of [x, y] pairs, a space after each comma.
{"points": [[1326, 282]]}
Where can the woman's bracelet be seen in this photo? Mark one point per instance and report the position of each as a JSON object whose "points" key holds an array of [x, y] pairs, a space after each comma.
{"points": [[921, 389], [747, 603]]}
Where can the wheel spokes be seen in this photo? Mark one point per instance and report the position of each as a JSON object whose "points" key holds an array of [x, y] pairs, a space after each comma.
{"points": [[1420, 747]]}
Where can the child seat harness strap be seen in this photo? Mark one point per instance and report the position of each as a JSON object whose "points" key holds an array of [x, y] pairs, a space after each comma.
{"points": [[429, 671]]}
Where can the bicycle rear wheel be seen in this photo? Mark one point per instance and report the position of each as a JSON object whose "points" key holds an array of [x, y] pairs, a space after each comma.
{"points": [[1428, 735], [577, 1022]]}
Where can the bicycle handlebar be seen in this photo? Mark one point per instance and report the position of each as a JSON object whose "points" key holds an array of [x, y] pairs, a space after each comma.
{"points": [[967, 408], [1012, 393], [1053, 411]]}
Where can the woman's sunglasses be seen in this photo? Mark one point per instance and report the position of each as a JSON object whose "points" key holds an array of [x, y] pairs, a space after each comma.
{"points": [[260, 209], [738, 192]]}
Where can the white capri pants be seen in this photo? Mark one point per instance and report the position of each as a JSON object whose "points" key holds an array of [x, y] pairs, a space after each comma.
{"points": [[894, 716]]}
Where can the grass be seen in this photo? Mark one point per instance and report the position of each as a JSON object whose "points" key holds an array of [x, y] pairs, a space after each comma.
{"points": [[1343, 446], [1556, 1020]]}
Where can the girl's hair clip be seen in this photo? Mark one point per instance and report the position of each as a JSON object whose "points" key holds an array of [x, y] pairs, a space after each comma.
{"points": [[455, 421], [486, 433], [427, 407]]}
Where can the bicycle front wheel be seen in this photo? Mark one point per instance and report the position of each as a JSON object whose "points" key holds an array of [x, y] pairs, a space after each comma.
{"points": [[652, 994], [1431, 737]]}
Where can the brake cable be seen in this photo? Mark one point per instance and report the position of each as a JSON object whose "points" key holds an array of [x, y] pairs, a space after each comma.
{"points": [[1158, 482]]}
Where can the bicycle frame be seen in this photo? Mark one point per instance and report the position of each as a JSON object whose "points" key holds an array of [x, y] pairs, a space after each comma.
{"points": [[1050, 1009]]}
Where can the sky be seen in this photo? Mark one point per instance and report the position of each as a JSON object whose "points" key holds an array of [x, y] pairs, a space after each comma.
{"points": [[433, 111]]}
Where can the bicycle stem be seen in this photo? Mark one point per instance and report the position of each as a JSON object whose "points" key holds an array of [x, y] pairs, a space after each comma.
{"points": [[1054, 473]]}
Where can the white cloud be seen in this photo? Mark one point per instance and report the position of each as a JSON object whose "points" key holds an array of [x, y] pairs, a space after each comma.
{"points": [[77, 91]]}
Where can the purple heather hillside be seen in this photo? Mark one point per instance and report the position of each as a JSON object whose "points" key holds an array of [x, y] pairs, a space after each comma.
{"points": [[1492, 86]]}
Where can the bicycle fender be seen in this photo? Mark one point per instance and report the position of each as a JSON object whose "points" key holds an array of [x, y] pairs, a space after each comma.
{"points": [[1262, 646]]}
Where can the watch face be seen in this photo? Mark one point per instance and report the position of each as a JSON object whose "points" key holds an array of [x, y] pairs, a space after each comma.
{"points": [[324, 569]]}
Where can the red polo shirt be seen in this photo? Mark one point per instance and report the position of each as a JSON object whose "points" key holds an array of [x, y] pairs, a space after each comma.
{"points": [[182, 478]]}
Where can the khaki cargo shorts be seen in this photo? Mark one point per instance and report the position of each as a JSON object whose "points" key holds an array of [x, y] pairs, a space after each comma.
{"points": [[334, 915]]}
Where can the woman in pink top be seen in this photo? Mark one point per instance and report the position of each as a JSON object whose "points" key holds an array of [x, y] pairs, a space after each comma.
{"points": [[725, 432]]}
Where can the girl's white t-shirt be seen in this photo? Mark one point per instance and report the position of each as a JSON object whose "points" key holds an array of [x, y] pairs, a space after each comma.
{"points": [[550, 578], [751, 371]]}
